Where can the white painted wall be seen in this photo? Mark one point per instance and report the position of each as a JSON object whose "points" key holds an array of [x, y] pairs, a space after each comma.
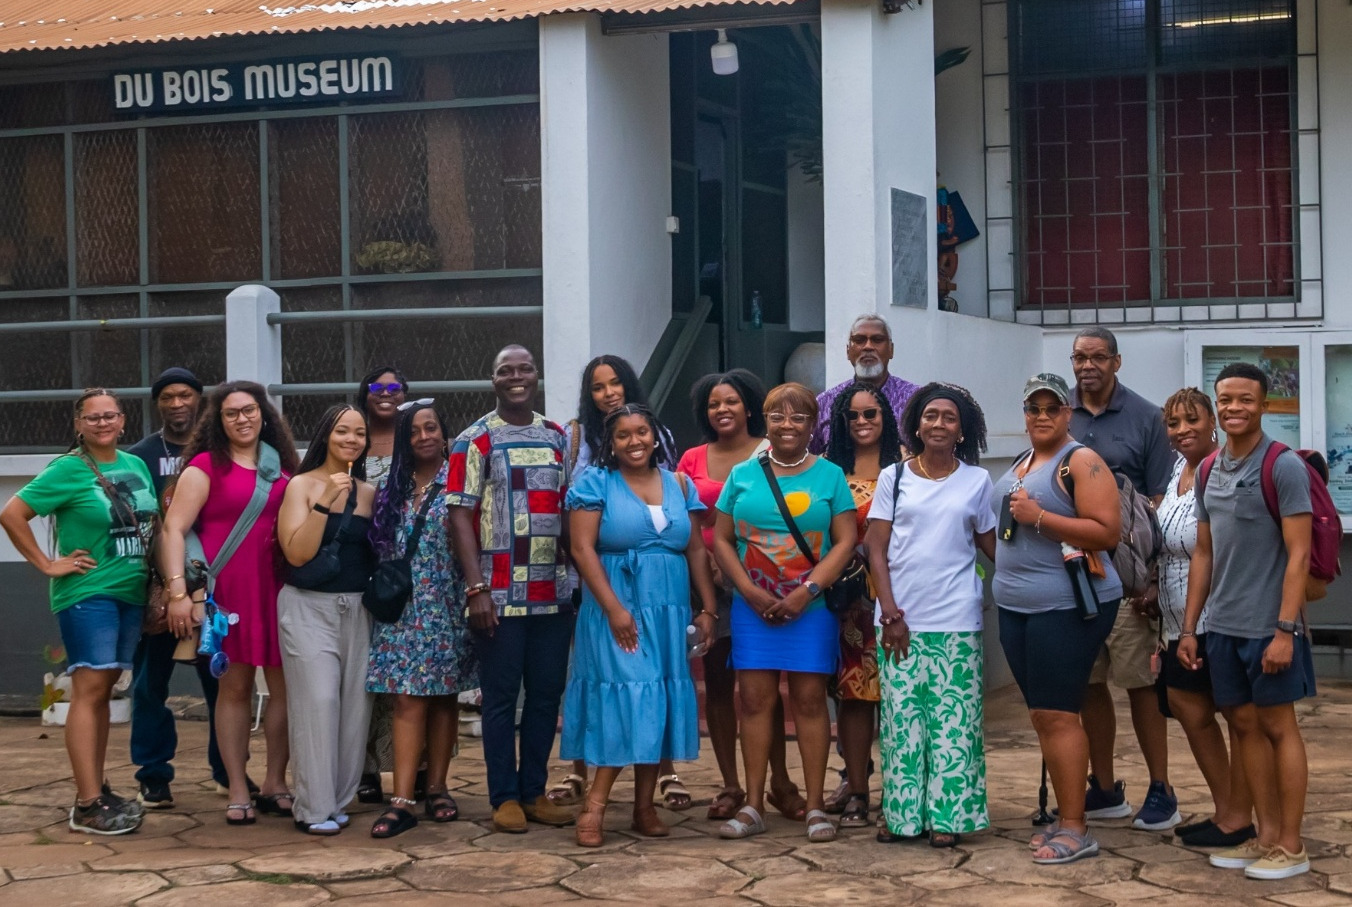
{"points": [[1335, 138], [961, 141], [606, 193], [806, 250]]}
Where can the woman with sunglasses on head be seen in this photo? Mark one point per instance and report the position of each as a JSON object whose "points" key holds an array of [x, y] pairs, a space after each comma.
{"points": [[630, 699], [930, 516], [863, 441], [1058, 514], [728, 410], [779, 621], [323, 529], [101, 501], [379, 395], [240, 446], [609, 382], [425, 659]]}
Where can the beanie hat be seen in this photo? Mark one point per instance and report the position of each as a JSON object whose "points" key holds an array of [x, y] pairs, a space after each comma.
{"points": [[174, 375]]}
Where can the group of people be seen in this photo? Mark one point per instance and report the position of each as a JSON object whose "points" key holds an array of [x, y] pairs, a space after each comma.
{"points": [[829, 539]]}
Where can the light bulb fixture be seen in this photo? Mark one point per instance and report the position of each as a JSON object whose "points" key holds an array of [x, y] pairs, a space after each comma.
{"points": [[723, 55]]}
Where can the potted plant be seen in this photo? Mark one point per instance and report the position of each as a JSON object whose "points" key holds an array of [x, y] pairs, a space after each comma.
{"points": [[56, 692]]}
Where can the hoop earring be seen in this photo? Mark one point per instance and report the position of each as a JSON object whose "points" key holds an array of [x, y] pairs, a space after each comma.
{"points": [[79, 437], [1214, 436], [961, 438]]}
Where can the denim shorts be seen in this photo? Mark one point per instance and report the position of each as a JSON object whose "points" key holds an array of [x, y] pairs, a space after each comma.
{"points": [[100, 633]]}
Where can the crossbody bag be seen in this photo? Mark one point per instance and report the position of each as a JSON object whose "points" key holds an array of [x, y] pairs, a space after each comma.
{"points": [[391, 586]]}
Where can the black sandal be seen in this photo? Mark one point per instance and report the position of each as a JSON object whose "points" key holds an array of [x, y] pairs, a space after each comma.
{"points": [[440, 807], [369, 790], [268, 804], [944, 839], [394, 821]]}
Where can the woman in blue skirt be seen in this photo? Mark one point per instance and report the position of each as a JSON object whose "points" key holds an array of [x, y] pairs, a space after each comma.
{"points": [[630, 699]]}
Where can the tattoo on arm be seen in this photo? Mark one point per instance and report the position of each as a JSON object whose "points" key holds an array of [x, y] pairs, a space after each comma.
{"points": [[1095, 469]]}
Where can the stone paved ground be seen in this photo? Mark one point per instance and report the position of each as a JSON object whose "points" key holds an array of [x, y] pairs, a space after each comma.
{"points": [[189, 856]]}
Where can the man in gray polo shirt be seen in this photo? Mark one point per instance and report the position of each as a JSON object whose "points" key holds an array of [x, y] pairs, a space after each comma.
{"points": [[1127, 431], [1249, 571]]}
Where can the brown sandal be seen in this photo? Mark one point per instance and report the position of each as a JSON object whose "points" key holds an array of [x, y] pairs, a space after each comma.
{"points": [[790, 805], [727, 803], [647, 824], [590, 828]]}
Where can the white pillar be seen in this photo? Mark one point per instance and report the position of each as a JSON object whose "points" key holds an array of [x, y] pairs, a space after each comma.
{"points": [[877, 135], [605, 139], [253, 348]]}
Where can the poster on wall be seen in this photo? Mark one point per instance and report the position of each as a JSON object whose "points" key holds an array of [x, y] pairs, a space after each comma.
{"points": [[1281, 364], [1338, 419]]}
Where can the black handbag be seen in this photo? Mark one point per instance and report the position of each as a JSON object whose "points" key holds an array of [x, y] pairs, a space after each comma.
{"points": [[325, 565], [391, 586], [840, 596]]}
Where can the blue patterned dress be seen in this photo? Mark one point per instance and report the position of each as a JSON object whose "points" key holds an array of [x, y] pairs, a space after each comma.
{"points": [[637, 708], [428, 652]]}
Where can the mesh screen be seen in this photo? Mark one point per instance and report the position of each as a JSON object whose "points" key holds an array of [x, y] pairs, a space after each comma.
{"points": [[1195, 31], [40, 362], [107, 252], [303, 183], [204, 205], [446, 190], [1058, 36], [32, 213], [200, 349], [480, 75]]}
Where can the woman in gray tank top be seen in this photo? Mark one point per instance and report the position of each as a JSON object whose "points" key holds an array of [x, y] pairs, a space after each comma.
{"points": [[1049, 644]]}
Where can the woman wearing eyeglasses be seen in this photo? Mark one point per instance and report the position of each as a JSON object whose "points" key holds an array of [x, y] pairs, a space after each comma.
{"points": [[930, 516], [100, 500], [1059, 510], [425, 659], [779, 621], [379, 396], [238, 436], [863, 441]]}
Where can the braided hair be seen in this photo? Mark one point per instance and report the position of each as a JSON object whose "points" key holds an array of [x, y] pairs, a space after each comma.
{"points": [[971, 420], [398, 487], [605, 453], [840, 446]]}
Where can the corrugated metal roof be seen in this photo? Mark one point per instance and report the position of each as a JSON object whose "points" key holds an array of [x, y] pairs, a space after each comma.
{"points": [[98, 23]]}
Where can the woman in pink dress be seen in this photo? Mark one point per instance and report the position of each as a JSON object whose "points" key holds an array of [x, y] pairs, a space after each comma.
{"points": [[727, 409], [239, 437]]}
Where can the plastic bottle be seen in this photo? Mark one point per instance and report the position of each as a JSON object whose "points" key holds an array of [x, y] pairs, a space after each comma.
{"points": [[757, 310], [1077, 568], [694, 646]]}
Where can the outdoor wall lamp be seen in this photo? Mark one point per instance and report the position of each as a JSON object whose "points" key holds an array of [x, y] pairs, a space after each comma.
{"points": [[723, 55]]}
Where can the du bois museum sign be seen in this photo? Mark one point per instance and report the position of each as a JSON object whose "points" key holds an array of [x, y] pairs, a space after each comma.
{"points": [[307, 80]]}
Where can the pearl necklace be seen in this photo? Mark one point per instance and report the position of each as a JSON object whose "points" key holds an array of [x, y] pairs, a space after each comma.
{"points": [[801, 460]]}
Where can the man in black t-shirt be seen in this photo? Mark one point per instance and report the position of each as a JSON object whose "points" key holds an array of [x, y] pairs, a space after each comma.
{"points": [[178, 396]]}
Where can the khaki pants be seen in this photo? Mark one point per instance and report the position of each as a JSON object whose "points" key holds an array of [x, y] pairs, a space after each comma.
{"points": [[326, 641]]}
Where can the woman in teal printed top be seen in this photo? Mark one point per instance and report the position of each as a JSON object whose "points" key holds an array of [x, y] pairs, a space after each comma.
{"points": [[101, 501]]}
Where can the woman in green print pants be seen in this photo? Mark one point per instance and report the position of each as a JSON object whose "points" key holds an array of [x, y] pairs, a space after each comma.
{"points": [[929, 517]]}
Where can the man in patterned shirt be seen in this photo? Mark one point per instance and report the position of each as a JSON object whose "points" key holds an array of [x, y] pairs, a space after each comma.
{"points": [[505, 488]]}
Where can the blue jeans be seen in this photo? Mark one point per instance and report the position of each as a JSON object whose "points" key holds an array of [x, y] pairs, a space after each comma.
{"points": [[154, 738], [100, 633], [529, 651]]}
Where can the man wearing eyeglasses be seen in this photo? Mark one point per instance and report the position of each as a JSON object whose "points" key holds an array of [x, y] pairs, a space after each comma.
{"points": [[869, 349], [177, 394], [1127, 431]]}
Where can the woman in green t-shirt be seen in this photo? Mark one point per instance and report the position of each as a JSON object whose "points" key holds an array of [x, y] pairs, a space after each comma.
{"points": [[100, 501]]}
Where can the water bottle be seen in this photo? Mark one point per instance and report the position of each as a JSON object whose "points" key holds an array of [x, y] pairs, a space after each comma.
{"points": [[1077, 568], [757, 310], [694, 646]]}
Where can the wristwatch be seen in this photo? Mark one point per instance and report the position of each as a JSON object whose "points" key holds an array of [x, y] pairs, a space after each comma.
{"points": [[1288, 626], [812, 588]]}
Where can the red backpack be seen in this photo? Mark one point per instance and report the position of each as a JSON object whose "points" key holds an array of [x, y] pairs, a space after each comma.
{"points": [[1326, 527]]}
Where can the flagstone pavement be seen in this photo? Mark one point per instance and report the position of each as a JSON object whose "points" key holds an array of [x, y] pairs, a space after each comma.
{"points": [[188, 855]]}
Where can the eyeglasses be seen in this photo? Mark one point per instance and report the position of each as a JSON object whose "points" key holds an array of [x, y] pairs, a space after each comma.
{"points": [[394, 387], [243, 414], [875, 339], [100, 418], [1051, 410], [409, 404], [868, 415], [1098, 359], [799, 419]]}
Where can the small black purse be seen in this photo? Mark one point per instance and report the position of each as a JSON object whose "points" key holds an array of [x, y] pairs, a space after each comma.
{"points": [[326, 564], [391, 586]]}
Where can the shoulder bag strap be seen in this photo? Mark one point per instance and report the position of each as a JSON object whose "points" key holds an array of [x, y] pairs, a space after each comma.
{"points": [[1268, 483], [108, 490], [1203, 473], [764, 460], [265, 475], [411, 548], [574, 444]]}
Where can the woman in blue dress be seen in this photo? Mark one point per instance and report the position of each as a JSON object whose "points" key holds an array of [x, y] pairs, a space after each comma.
{"points": [[630, 699]]}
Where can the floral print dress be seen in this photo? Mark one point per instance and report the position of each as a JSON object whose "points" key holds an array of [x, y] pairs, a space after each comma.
{"points": [[428, 652]]}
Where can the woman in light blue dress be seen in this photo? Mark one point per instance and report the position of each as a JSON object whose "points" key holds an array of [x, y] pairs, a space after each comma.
{"points": [[630, 699]]}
